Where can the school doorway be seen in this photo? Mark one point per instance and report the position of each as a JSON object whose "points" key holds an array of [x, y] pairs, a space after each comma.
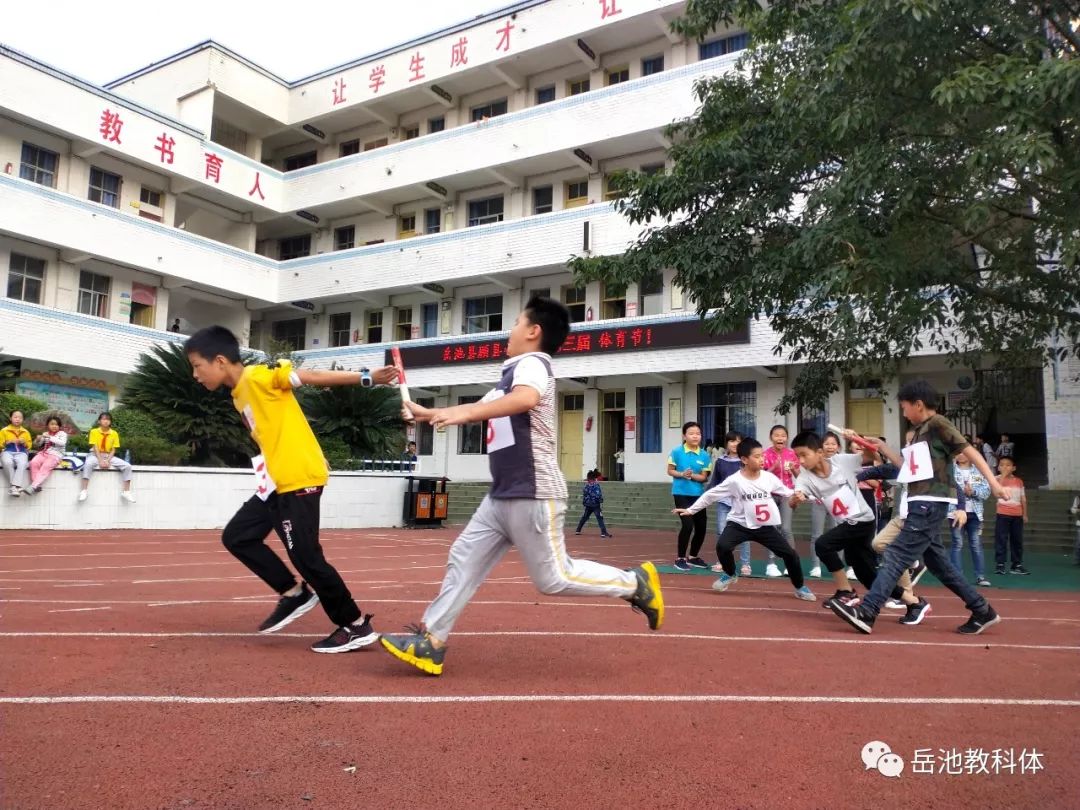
{"points": [[865, 411], [571, 435], [612, 416]]}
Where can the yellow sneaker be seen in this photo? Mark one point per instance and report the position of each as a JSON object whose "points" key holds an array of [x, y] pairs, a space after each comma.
{"points": [[415, 648], [648, 598]]}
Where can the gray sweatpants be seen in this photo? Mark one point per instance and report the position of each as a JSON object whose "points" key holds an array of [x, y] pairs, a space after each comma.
{"points": [[535, 528], [123, 467]]}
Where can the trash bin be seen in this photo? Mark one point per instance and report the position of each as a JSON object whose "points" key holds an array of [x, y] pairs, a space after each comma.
{"points": [[425, 501]]}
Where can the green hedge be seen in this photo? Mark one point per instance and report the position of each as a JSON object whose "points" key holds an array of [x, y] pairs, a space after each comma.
{"points": [[10, 401]]}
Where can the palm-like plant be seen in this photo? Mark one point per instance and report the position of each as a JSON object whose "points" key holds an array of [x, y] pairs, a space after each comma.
{"points": [[163, 387], [368, 420]]}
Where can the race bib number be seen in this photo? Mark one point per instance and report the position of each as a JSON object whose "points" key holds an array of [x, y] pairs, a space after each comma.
{"points": [[264, 484], [500, 434], [843, 504], [902, 508], [917, 465], [764, 513]]}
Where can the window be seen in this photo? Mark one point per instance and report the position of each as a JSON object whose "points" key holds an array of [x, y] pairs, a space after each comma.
{"points": [[403, 323], [651, 294], [350, 147], [725, 407], [340, 326], [542, 292], [577, 193], [374, 326], [574, 298], [489, 110], [294, 162], [542, 199], [649, 169], [651, 65], [577, 86], [378, 143], [613, 304], [618, 76], [293, 247], [612, 190], [104, 187], [26, 277], [412, 132], [94, 294], [614, 400], [228, 135], [483, 314], [425, 433], [720, 47], [429, 320], [39, 165], [650, 406], [406, 226], [345, 237], [545, 94], [436, 124], [471, 436], [432, 220], [573, 402], [147, 196], [813, 418], [482, 212], [293, 333]]}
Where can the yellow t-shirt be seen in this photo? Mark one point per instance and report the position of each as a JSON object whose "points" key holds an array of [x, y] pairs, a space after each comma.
{"points": [[14, 435], [103, 442], [265, 400]]}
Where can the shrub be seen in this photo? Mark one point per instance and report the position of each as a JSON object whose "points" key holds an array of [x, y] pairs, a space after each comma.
{"points": [[135, 422], [154, 451], [10, 401]]}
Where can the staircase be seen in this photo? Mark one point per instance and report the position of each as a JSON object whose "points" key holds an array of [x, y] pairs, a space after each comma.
{"points": [[648, 506]]}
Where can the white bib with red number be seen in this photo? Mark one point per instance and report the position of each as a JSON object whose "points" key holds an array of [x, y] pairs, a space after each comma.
{"points": [[763, 513], [917, 465], [264, 484], [843, 504]]}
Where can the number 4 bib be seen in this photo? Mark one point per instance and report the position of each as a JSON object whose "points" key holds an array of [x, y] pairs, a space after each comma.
{"points": [[765, 513], [917, 465], [842, 504]]}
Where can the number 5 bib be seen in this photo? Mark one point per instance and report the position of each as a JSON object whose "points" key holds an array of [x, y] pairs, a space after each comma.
{"points": [[765, 513], [917, 465]]}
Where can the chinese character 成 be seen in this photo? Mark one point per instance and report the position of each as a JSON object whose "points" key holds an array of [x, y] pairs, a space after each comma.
{"points": [[458, 56]]}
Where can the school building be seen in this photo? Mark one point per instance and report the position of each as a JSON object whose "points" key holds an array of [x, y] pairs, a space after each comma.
{"points": [[417, 196]]}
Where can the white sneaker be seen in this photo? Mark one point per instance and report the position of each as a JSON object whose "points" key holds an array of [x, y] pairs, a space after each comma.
{"points": [[816, 572], [746, 571], [15, 492], [82, 495], [772, 571], [717, 569], [127, 496], [850, 573], [895, 604]]}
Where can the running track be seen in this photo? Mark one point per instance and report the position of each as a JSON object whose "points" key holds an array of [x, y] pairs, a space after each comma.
{"points": [[131, 677]]}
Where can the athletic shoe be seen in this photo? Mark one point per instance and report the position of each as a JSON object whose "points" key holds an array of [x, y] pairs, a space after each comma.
{"points": [[648, 598], [846, 597], [697, 562], [744, 571], [577, 532], [681, 564], [82, 497], [850, 573], [805, 594], [999, 571], [289, 609], [346, 639], [772, 571], [815, 572], [916, 571], [855, 615], [979, 622], [895, 604], [32, 490], [127, 496], [15, 492], [982, 582], [415, 648], [723, 582], [718, 568], [1019, 569], [916, 613], [607, 535]]}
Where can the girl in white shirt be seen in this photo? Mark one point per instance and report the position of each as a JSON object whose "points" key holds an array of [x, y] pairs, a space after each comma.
{"points": [[51, 444]]}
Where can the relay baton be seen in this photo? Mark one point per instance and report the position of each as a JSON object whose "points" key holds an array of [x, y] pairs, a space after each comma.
{"points": [[395, 355], [859, 440]]}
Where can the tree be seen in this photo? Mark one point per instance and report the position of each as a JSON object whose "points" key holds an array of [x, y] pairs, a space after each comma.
{"points": [[876, 178], [366, 420], [162, 386]]}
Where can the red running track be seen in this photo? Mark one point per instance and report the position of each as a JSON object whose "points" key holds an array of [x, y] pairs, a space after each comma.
{"points": [[131, 677]]}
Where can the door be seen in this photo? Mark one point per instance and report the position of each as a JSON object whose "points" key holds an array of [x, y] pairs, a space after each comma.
{"points": [[866, 416], [571, 436], [612, 421]]}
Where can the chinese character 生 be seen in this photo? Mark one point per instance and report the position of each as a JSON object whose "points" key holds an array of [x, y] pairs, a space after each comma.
{"points": [[416, 65]]}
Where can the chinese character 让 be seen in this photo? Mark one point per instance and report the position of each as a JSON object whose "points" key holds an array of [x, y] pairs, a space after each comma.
{"points": [[165, 146], [377, 78], [338, 91], [609, 8], [504, 36], [111, 124], [458, 56]]}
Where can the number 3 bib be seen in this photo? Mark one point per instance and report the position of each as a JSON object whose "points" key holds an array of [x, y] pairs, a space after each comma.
{"points": [[917, 465], [765, 513]]}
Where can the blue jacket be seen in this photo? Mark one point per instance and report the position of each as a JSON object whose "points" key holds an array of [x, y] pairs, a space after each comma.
{"points": [[592, 495]]}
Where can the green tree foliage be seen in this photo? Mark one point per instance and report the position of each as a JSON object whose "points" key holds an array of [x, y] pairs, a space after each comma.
{"points": [[205, 422], [876, 178], [366, 420], [10, 401]]}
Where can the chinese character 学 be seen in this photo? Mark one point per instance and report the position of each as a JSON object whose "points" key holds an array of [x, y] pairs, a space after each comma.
{"points": [[377, 78], [111, 124]]}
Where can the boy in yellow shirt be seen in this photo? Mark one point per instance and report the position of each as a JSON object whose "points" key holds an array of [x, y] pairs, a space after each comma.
{"points": [[104, 442], [292, 472]]}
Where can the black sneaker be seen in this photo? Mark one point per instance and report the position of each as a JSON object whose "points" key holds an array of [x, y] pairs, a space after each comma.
{"points": [[1019, 569], [697, 562], [855, 615], [916, 613], [916, 571], [999, 571], [846, 597], [289, 609], [609, 534], [346, 639], [979, 622]]}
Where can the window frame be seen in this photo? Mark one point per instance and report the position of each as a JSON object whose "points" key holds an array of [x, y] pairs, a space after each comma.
{"points": [[545, 90], [617, 75], [34, 166], [578, 86], [24, 275], [336, 331], [373, 323], [284, 255], [488, 218], [489, 109], [403, 322], [650, 61], [579, 185], [550, 206], [569, 292], [349, 147], [96, 299], [302, 160], [428, 229], [340, 240], [468, 322], [297, 340], [99, 192], [471, 429], [610, 300], [650, 424]]}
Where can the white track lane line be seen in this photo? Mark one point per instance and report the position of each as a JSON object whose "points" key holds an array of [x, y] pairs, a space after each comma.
{"points": [[79, 610], [813, 700]]}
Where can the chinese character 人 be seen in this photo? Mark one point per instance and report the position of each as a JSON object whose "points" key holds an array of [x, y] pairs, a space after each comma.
{"points": [[257, 188]]}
